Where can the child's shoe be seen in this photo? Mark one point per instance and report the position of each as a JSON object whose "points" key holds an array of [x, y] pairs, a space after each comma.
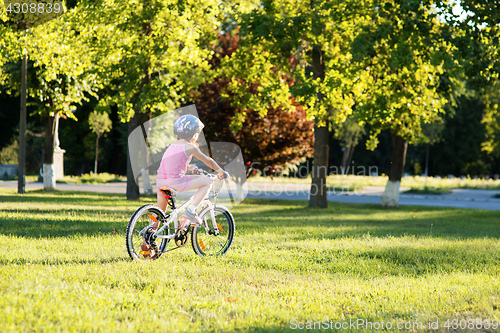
{"points": [[191, 216]]}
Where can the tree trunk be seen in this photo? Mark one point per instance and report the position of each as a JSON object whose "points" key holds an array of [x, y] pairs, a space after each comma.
{"points": [[146, 182], [133, 192], [49, 177], [344, 160], [321, 135], [96, 154], [390, 198], [319, 170], [132, 186], [426, 165], [351, 154], [21, 169]]}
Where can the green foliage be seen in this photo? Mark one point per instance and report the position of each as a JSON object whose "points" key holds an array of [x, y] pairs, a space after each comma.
{"points": [[478, 41], [61, 64], [79, 142], [8, 43], [91, 178], [403, 55], [349, 133], [9, 154], [276, 56], [23, 14], [282, 138], [429, 190], [433, 131], [99, 122], [385, 61], [491, 120], [152, 53], [288, 262]]}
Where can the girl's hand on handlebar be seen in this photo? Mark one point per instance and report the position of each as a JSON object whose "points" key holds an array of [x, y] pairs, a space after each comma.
{"points": [[223, 174], [192, 168]]}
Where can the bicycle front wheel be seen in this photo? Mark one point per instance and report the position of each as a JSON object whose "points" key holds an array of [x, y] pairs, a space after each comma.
{"points": [[141, 245], [206, 242]]}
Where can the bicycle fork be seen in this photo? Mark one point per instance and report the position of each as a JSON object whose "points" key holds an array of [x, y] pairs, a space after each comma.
{"points": [[216, 226]]}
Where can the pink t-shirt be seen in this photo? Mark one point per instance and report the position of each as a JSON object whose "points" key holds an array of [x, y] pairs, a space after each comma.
{"points": [[174, 162]]}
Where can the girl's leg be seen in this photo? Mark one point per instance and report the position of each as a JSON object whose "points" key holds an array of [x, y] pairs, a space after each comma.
{"points": [[201, 183], [161, 201], [187, 183]]}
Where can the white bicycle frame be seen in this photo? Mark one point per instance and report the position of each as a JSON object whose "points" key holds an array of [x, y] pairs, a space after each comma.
{"points": [[175, 214]]}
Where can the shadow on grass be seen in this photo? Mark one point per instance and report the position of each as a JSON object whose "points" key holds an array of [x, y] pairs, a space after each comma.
{"points": [[47, 228], [61, 197], [292, 219], [74, 198], [458, 257], [357, 221], [56, 262], [403, 260]]}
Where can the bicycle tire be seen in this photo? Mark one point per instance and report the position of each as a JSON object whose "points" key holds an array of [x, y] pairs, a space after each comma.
{"points": [[205, 244], [139, 221]]}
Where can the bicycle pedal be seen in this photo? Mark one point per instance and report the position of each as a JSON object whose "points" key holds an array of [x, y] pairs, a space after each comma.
{"points": [[145, 250]]}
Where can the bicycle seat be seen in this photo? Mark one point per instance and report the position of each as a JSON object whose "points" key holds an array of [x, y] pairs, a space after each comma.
{"points": [[168, 191]]}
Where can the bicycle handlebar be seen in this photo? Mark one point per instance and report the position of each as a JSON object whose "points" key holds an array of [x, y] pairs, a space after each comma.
{"points": [[211, 175]]}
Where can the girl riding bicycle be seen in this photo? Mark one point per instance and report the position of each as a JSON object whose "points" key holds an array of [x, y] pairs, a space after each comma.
{"points": [[175, 163]]}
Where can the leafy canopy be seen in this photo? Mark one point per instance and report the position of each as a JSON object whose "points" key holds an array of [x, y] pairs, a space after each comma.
{"points": [[276, 56], [407, 63], [99, 122], [152, 52], [62, 67]]}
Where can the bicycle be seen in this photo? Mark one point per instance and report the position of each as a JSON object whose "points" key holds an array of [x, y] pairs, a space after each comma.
{"points": [[213, 236]]}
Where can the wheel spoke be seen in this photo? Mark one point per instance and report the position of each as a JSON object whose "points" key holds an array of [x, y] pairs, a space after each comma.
{"points": [[141, 243], [207, 243]]}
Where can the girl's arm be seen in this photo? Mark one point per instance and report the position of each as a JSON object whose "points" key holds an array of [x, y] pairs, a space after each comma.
{"points": [[191, 149]]}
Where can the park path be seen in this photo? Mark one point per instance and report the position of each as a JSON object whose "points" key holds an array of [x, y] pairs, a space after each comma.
{"points": [[459, 198]]}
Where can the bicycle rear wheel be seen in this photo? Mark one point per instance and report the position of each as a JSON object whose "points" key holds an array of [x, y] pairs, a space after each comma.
{"points": [[138, 234], [207, 243]]}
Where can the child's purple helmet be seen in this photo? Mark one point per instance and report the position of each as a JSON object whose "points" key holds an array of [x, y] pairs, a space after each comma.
{"points": [[187, 126]]}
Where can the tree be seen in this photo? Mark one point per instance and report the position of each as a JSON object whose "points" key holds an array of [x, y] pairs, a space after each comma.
{"points": [[280, 140], [299, 49], [491, 120], [13, 18], [99, 123], [406, 58], [155, 52], [432, 132], [60, 73], [478, 41], [480, 51], [348, 133]]}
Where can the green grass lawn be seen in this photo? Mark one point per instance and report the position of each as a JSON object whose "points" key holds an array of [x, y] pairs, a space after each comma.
{"points": [[64, 267], [429, 190]]}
